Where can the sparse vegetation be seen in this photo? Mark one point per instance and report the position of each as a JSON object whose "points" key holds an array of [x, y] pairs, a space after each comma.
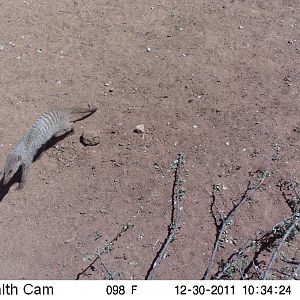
{"points": [[260, 257], [107, 248], [247, 262]]}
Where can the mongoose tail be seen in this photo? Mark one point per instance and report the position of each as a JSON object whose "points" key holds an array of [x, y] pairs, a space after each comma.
{"points": [[77, 114]]}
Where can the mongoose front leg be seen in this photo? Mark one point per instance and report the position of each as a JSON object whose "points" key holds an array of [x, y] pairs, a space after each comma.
{"points": [[25, 170]]}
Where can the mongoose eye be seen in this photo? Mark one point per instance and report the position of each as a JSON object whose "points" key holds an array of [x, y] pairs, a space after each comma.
{"points": [[10, 171]]}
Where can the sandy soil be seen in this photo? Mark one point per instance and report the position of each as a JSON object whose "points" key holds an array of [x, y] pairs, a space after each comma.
{"points": [[217, 80]]}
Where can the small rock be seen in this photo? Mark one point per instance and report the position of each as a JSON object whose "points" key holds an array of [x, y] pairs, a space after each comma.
{"points": [[195, 126], [106, 84], [139, 128], [90, 138], [148, 49]]}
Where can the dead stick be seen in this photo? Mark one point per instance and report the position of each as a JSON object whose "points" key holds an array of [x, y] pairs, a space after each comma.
{"points": [[275, 253], [225, 222], [110, 275], [176, 197], [240, 252], [228, 265], [104, 249]]}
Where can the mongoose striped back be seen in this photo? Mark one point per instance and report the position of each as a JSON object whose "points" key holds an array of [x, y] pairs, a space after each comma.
{"points": [[43, 129]]}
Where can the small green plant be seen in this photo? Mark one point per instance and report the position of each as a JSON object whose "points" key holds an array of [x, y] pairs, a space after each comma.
{"points": [[98, 235]]}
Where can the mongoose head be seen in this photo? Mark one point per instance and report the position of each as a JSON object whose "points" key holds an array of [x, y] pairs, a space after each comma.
{"points": [[13, 163]]}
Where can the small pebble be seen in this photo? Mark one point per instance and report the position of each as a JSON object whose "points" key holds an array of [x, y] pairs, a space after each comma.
{"points": [[106, 84], [148, 49], [90, 138], [139, 128], [195, 126]]}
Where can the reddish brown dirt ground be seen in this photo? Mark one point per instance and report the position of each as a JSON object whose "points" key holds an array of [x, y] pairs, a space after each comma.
{"points": [[220, 83]]}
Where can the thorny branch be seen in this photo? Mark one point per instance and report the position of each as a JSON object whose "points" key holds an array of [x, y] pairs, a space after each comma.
{"points": [[105, 249], [228, 219], [177, 195], [275, 237], [286, 235], [262, 241]]}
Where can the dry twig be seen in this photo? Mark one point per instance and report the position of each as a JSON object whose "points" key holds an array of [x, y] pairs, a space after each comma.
{"points": [[107, 248], [227, 220], [265, 240], [177, 195], [296, 220]]}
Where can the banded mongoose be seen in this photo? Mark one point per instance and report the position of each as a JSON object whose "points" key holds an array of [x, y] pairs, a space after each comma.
{"points": [[53, 123]]}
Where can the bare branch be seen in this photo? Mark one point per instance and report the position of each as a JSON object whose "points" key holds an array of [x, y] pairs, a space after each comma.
{"points": [[104, 249], [177, 195], [286, 235], [220, 231]]}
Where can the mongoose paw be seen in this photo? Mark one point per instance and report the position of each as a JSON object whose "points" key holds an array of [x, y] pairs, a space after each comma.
{"points": [[72, 131], [20, 186]]}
